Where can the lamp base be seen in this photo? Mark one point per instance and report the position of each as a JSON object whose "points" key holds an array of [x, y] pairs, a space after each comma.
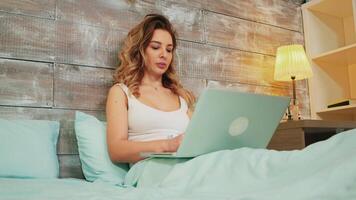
{"points": [[289, 114], [293, 109], [293, 112]]}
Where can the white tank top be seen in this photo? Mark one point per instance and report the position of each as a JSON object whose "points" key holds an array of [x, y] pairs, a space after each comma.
{"points": [[146, 123]]}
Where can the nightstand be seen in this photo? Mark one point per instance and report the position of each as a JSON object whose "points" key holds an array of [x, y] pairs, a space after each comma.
{"points": [[298, 134]]}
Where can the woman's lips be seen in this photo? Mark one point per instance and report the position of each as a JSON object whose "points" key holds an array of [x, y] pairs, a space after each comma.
{"points": [[162, 65]]}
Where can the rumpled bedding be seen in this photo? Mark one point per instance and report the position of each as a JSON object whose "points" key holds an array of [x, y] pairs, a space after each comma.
{"points": [[324, 170]]}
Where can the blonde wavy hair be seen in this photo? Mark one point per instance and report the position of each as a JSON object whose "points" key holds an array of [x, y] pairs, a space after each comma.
{"points": [[132, 56]]}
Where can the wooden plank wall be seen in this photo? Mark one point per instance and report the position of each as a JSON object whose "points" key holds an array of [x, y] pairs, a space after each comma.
{"points": [[58, 56]]}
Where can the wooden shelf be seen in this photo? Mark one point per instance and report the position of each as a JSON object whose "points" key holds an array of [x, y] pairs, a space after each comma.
{"points": [[330, 42], [339, 8], [339, 110], [341, 56]]}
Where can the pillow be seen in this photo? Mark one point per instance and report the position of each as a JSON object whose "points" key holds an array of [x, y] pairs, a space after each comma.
{"points": [[28, 148], [93, 153]]}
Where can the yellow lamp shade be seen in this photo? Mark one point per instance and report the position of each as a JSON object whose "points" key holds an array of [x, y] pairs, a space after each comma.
{"points": [[291, 61]]}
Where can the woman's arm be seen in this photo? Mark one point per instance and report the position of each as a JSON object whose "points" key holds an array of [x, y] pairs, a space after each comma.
{"points": [[119, 147]]}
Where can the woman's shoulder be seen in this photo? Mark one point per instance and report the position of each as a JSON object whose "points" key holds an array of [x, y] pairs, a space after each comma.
{"points": [[118, 89], [117, 94], [121, 85]]}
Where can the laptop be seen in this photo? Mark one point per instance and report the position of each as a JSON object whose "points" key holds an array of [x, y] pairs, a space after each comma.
{"points": [[228, 119]]}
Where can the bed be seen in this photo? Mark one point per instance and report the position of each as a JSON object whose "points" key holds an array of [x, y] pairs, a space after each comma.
{"points": [[324, 170]]}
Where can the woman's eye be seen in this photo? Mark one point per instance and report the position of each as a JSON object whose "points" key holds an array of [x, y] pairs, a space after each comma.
{"points": [[169, 50]]}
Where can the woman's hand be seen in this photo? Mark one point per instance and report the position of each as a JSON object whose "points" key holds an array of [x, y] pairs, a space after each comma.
{"points": [[173, 144]]}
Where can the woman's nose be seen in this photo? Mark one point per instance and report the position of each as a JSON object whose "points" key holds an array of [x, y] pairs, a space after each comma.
{"points": [[163, 53]]}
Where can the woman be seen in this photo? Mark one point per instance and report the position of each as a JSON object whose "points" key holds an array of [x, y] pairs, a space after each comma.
{"points": [[147, 108], [148, 111]]}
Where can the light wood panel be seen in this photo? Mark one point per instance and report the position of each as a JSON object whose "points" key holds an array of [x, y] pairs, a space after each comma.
{"points": [[279, 13], [339, 57], [124, 15], [38, 8], [24, 83], [119, 14], [328, 84], [192, 59], [87, 45], [247, 35], [200, 4], [350, 29], [80, 87], [330, 37], [333, 30], [222, 64], [343, 110], [67, 141], [352, 81], [26, 37], [8, 112], [194, 85], [70, 167], [341, 8], [187, 20]]}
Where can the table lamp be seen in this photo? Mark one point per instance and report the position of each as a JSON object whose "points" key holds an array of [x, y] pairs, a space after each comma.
{"points": [[292, 64]]}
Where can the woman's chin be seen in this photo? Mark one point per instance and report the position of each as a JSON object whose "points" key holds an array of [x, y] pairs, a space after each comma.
{"points": [[157, 71], [160, 71]]}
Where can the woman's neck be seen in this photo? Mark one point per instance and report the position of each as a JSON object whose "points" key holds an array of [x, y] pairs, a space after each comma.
{"points": [[152, 81]]}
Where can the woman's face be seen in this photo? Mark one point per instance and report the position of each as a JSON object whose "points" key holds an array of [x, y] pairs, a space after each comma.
{"points": [[159, 53]]}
